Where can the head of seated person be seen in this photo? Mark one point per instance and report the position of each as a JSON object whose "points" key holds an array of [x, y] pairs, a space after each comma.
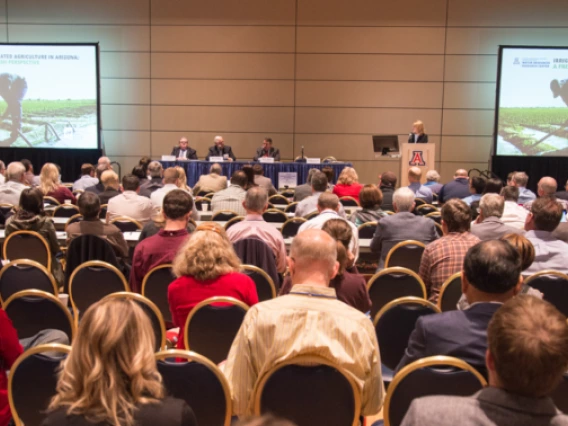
{"points": [[328, 201], [477, 185], [89, 205], [348, 176], [520, 179], [403, 200], [171, 176], [510, 193], [249, 172], [239, 178], [491, 205], [523, 246], [258, 170], [313, 258], [130, 183], [341, 232], [16, 172], [155, 170], [144, 162], [139, 172], [31, 204], [109, 179], [370, 197], [49, 178], [104, 163], [329, 173], [387, 179], [414, 175], [545, 215], [216, 169], [493, 186], [319, 182], [176, 207], [88, 169], [256, 201], [101, 168], [432, 176], [456, 217]]}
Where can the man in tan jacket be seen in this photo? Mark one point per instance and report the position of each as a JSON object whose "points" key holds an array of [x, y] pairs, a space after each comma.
{"points": [[213, 182]]}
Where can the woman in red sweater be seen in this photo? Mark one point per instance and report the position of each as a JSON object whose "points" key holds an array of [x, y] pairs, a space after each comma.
{"points": [[348, 184], [50, 186], [206, 266]]}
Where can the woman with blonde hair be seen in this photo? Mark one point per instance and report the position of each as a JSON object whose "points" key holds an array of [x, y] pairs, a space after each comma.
{"points": [[110, 376], [418, 134], [348, 184], [50, 186], [182, 180], [206, 266]]}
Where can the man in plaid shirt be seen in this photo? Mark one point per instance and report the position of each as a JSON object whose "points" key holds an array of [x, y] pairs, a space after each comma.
{"points": [[444, 257]]}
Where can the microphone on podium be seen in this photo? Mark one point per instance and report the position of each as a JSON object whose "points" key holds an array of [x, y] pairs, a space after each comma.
{"points": [[301, 159], [302, 151]]}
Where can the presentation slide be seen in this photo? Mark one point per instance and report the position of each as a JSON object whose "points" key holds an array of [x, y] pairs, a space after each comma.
{"points": [[49, 96], [532, 102]]}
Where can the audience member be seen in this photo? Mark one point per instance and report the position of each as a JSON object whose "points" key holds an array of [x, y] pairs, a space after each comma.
{"points": [[105, 163], [109, 179], [476, 188], [328, 208], [144, 162], [267, 151], [458, 188], [263, 181], [231, 198], [219, 149], [526, 358], [99, 187], [550, 253], [183, 151], [420, 191], [513, 214], [304, 191], [213, 182], [387, 185], [444, 257], [348, 184], [141, 174], [11, 190], [310, 204], [182, 180], [51, 186], [401, 226], [110, 376], [563, 195], [350, 287], [2, 172], [155, 172], [162, 247], [547, 188], [206, 266], [169, 181], [336, 332], [31, 179], [370, 199], [90, 207], [491, 275], [330, 175], [493, 186], [520, 180], [129, 203], [30, 216], [488, 225], [433, 181], [87, 177], [249, 172], [254, 226]]}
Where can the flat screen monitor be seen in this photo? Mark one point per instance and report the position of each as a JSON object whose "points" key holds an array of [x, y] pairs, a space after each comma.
{"points": [[385, 144]]}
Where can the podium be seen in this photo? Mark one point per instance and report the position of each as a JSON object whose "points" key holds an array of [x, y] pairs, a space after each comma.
{"points": [[422, 155]]}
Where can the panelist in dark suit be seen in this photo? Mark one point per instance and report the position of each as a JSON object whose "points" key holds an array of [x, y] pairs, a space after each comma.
{"points": [[267, 150], [491, 275], [417, 135], [183, 151], [221, 150]]}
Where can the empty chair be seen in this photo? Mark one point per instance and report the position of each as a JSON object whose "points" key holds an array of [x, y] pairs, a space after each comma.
{"points": [[291, 208], [155, 287], [212, 325], [367, 230], [275, 215], [73, 219], [291, 227], [406, 254], [450, 293], [253, 251], [311, 215], [32, 311], [27, 245], [278, 199], [309, 391], [349, 202], [232, 221], [265, 287], [33, 381], [198, 382], [425, 209], [224, 216], [436, 375], [419, 202], [554, 286], [25, 274], [126, 224], [391, 284], [65, 210]]}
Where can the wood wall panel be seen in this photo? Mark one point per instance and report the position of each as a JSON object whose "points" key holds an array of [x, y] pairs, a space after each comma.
{"points": [[124, 65], [466, 148], [125, 91], [123, 142], [469, 95], [462, 122], [125, 117], [3, 33], [471, 68]]}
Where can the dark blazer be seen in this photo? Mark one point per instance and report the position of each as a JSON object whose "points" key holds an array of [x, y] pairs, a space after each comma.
{"points": [[422, 138], [388, 192], [302, 191], [272, 152], [150, 186], [97, 189], [458, 188], [563, 195], [461, 334], [191, 153], [169, 412], [107, 194], [216, 152], [492, 228]]}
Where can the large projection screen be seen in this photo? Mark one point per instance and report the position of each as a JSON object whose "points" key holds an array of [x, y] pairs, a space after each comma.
{"points": [[532, 101], [49, 96]]}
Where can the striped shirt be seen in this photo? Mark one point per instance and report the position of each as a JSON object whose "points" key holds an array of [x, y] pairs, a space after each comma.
{"points": [[229, 199], [308, 321]]}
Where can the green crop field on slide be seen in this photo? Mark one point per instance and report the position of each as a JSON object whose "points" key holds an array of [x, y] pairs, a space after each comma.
{"points": [[64, 107]]}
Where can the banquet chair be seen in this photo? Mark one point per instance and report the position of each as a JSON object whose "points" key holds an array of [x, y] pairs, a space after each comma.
{"points": [[450, 293], [126, 224], [224, 216], [24, 274], [233, 221], [275, 216], [155, 288], [265, 287], [27, 245], [406, 254], [554, 286], [366, 230], [278, 199], [349, 202], [291, 226], [66, 210]]}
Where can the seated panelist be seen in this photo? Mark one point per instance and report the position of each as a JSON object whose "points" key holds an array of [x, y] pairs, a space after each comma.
{"points": [[183, 151], [267, 151], [221, 150], [417, 135]]}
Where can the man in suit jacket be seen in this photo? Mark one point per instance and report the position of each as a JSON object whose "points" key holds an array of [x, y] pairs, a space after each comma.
{"points": [[305, 190], [183, 151], [213, 182], [267, 150], [488, 225], [401, 226], [520, 380], [221, 150], [491, 275], [263, 181]]}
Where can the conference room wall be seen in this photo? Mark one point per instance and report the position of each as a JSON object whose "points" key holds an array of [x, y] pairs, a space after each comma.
{"points": [[323, 74]]}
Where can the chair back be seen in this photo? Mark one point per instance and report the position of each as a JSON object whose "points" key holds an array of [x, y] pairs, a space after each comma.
{"points": [[155, 287], [265, 287], [212, 325], [278, 199], [425, 209], [153, 313], [199, 201], [199, 383], [27, 245], [439, 229], [50, 201], [436, 375], [73, 219], [291, 226], [311, 215], [554, 286], [560, 395], [205, 194], [288, 192], [419, 202], [6, 209], [406, 254], [25, 274], [309, 391], [90, 282], [436, 217], [395, 322], [126, 224], [103, 212], [393, 283], [32, 311], [253, 251], [348, 202], [367, 230], [233, 221], [291, 208], [275, 216], [32, 383], [224, 216], [65, 210], [450, 293]]}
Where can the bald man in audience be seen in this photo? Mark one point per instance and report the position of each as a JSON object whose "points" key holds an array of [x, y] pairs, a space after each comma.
{"points": [[421, 191], [213, 182], [488, 225], [526, 358], [109, 179], [310, 204], [11, 190], [308, 321], [458, 188], [104, 162], [547, 187], [254, 226]]}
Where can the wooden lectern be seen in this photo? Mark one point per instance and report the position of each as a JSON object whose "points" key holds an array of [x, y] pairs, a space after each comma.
{"points": [[421, 155]]}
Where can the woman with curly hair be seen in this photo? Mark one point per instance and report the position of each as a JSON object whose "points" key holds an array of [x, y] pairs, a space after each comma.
{"points": [[348, 184]]}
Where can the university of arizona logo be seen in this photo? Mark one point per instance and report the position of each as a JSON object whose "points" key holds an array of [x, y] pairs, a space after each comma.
{"points": [[417, 159]]}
